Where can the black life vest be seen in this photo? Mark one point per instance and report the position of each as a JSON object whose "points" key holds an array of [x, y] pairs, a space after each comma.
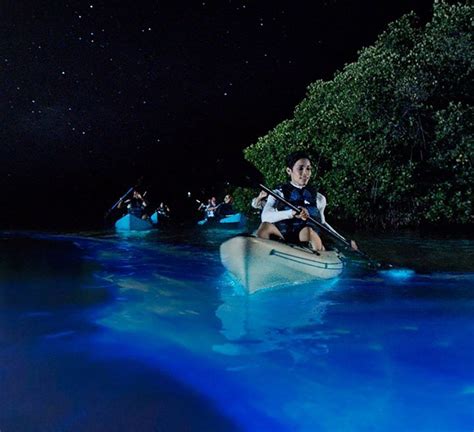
{"points": [[225, 209], [135, 207], [304, 197]]}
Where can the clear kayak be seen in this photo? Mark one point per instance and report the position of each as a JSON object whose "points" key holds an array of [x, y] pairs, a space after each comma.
{"points": [[259, 264]]}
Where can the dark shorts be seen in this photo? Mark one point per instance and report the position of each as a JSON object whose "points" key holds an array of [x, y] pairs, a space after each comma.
{"points": [[291, 230]]}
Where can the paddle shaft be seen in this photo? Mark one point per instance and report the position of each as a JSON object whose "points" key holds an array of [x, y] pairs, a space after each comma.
{"points": [[117, 203], [317, 223]]}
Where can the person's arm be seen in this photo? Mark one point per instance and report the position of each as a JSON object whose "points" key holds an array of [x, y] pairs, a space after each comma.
{"points": [[271, 214], [213, 208], [321, 204], [257, 202]]}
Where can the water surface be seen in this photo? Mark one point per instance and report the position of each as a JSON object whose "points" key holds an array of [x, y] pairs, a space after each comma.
{"points": [[103, 332]]}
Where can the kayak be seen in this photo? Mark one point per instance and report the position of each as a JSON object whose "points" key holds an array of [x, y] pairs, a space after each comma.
{"points": [[236, 220], [132, 223], [259, 263], [154, 218], [159, 218]]}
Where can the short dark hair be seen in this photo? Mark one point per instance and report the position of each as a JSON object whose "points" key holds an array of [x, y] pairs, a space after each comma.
{"points": [[294, 157]]}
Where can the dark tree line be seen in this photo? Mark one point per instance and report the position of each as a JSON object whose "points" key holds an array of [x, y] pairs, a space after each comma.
{"points": [[391, 135]]}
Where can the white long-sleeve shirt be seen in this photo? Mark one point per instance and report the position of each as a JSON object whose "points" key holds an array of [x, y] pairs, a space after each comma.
{"points": [[260, 205], [271, 214]]}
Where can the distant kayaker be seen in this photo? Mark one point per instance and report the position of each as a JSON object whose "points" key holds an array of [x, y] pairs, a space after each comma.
{"points": [[135, 205], [163, 210], [209, 208], [202, 206], [283, 222], [225, 208]]}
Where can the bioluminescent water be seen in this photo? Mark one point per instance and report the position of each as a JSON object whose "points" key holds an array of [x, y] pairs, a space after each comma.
{"points": [[102, 332]]}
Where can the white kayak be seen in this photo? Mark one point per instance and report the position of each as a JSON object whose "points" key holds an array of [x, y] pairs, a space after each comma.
{"points": [[259, 263]]}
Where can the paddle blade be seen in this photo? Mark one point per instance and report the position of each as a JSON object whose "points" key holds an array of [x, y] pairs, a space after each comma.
{"points": [[398, 273]]}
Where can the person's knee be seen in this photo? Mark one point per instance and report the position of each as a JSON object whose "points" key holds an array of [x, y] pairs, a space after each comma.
{"points": [[264, 230], [267, 229], [315, 239], [304, 234]]}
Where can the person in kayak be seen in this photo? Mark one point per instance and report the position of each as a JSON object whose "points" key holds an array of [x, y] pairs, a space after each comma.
{"points": [[163, 210], [284, 223], [135, 205], [209, 208], [225, 208], [202, 206]]}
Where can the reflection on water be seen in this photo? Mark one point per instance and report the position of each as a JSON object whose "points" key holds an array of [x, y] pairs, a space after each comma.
{"points": [[148, 332], [256, 323]]}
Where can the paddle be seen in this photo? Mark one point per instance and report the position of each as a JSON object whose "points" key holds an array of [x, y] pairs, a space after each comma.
{"points": [[118, 202], [327, 230]]}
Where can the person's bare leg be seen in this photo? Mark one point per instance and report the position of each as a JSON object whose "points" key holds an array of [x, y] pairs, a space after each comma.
{"points": [[307, 234], [266, 229]]}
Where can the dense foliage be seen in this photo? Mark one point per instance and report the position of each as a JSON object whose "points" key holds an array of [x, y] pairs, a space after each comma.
{"points": [[391, 135]]}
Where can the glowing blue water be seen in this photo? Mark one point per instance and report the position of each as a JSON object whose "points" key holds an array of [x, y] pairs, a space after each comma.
{"points": [[107, 333]]}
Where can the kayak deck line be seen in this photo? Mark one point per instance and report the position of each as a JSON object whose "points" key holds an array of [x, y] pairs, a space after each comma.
{"points": [[307, 261]]}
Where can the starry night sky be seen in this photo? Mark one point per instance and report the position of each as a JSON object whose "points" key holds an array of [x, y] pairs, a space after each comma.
{"points": [[95, 95]]}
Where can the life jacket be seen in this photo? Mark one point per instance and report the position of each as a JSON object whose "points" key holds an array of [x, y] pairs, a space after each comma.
{"points": [[135, 207], [304, 197], [210, 213], [225, 209]]}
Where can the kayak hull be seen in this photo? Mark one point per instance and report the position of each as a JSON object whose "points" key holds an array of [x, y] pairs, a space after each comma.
{"points": [[236, 220], [154, 218], [260, 264], [132, 223]]}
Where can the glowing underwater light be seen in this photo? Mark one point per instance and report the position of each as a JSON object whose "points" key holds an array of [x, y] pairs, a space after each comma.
{"points": [[399, 273]]}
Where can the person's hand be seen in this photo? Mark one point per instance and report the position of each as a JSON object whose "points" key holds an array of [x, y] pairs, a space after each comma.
{"points": [[354, 245], [262, 195], [303, 214]]}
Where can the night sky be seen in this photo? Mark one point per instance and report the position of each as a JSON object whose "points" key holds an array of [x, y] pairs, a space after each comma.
{"points": [[95, 95]]}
